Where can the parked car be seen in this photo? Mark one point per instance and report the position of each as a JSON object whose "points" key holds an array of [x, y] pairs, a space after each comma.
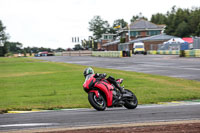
{"points": [[45, 53]]}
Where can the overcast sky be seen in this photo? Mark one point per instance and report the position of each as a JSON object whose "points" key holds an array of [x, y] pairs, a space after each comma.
{"points": [[53, 23]]}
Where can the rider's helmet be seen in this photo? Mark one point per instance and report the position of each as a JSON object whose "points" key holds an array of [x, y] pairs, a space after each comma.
{"points": [[88, 71]]}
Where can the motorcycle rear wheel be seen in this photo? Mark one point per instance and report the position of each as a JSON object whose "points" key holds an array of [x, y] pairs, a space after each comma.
{"points": [[99, 103], [132, 103]]}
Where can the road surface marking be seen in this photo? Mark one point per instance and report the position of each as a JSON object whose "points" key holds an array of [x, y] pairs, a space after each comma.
{"points": [[28, 125]]}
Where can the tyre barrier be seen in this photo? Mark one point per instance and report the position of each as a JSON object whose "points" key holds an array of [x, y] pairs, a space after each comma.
{"points": [[190, 53], [182, 53], [152, 52], [164, 52]]}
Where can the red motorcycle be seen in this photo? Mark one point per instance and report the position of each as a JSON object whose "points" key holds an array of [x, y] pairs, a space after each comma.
{"points": [[103, 93]]}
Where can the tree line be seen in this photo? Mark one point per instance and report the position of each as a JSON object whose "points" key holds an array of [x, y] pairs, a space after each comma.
{"points": [[179, 22]]}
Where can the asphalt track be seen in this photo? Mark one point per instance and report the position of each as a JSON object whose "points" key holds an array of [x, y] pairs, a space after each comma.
{"points": [[167, 65], [49, 120], [173, 66]]}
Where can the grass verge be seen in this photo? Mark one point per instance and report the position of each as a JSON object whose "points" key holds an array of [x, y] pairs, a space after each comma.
{"points": [[27, 84]]}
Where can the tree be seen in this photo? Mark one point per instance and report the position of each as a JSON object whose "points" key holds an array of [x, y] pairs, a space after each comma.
{"points": [[170, 25], [24, 52], [140, 16], [60, 50], [5, 45], [98, 26], [120, 22], [197, 33], [183, 22], [194, 20], [35, 49], [14, 47], [4, 49], [177, 19], [182, 30], [78, 47], [158, 18], [3, 35], [31, 50], [3, 39]]}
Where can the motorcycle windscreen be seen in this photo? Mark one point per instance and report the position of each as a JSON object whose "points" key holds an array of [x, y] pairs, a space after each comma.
{"points": [[89, 82]]}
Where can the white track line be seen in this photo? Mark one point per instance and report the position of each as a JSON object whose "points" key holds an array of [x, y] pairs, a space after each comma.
{"points": [[168, 104], [27, 125]]}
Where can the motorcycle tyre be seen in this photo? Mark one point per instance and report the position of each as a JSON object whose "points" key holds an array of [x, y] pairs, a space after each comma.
{"points": [[128, 105], [94, 104]]}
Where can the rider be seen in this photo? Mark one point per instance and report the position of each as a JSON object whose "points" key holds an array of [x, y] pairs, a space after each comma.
{"points": [[89, 71]]}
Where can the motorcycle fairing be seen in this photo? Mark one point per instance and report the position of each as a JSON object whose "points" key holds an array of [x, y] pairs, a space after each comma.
{"points": [[107, 89], [89, 82], [95, 92]]}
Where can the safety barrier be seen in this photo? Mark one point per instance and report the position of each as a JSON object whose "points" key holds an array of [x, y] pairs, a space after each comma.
{"points": [[107, 53], [58, 53], [168, 52], [183, 53], [77, 53], [197, 53], [164, 52], [190, 53], [152, 52]]}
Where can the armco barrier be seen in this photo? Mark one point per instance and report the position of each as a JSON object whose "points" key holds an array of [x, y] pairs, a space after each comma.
{"points": [[107, 53]]}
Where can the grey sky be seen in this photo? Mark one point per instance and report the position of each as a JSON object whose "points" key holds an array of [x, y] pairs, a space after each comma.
{"points": [[52, 23]]}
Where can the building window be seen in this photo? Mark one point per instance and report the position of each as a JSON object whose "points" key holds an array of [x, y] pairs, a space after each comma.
{"points": [[135, 33], [105, 37], [153, 32]]}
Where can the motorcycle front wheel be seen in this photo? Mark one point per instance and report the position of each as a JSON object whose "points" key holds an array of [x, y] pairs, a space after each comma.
{"points": [[99, 103], [131, 103]]}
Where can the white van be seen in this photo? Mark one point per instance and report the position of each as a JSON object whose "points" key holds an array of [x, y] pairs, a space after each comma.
{"points": [[138, 48]]}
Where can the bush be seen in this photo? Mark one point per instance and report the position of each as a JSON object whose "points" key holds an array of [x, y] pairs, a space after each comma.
{"points": [[8, 54], [24, 52], [122, 40]]}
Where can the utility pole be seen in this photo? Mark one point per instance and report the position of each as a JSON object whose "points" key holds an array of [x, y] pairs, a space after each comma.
{"points": [[129, 32]]}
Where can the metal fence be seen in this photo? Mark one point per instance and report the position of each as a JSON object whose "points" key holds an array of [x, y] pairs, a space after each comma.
{"points": [[166, 46], [123, 47], [175, 45], [196, 43]]}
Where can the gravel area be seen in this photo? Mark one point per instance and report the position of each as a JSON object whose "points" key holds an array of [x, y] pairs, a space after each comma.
{"points": [[171, 128]]}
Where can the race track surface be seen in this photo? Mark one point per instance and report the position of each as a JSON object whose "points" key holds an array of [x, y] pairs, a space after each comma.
{"points": [[90, 117], [167, 65]]}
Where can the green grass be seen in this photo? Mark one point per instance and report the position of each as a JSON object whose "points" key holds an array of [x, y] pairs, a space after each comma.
{"points": [[27, 84]]}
